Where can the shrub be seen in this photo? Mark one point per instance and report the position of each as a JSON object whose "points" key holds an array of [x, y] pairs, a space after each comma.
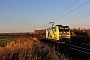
{"points": [[27, 49]]}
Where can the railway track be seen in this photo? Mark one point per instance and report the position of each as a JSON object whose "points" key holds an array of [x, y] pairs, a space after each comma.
{"points": [[71, 49], [79, 49]]}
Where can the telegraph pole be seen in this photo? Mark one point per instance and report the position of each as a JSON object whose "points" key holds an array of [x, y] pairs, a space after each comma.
{"points": [[34, 31], [34, 28]]}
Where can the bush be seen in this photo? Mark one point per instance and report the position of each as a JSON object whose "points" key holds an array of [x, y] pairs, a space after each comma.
{"points": [[81, 39], [27, 49]]}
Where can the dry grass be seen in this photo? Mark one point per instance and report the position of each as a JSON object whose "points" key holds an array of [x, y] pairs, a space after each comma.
{"points": [[27, 49]]}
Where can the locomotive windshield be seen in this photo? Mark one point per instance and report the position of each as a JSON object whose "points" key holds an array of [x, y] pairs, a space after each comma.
{"points": [[61, 29], [64, 28]]}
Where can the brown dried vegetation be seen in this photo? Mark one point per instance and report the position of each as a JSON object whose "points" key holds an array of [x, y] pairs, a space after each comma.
{"points": [[79, 31], [27, 48]]}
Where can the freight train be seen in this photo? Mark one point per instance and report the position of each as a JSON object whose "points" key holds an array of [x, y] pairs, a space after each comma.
{"points": [[58, 33]]}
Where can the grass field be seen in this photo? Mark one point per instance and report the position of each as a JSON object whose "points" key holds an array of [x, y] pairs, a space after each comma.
{"points": [[3, 42]]}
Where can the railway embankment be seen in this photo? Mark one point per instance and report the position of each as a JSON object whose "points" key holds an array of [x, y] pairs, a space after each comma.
{"points": [[27, 48], [73, 50]]}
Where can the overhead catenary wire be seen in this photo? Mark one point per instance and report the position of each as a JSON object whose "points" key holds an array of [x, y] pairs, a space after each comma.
{"points": [[67, 8], [62, 12], [73, 10], [77, 19], [78, 15]]}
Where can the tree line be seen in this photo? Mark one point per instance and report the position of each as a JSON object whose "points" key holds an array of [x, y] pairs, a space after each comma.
{"points": [[80, 31]]}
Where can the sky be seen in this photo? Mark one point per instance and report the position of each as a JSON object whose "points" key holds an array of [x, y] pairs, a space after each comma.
{"points": [[24, 15]]}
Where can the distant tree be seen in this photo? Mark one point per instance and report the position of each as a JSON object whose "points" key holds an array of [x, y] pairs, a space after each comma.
{"points": [[88, 33], [73, 33], [84, 30], [26, 35], [74, 29], [79, 29]]}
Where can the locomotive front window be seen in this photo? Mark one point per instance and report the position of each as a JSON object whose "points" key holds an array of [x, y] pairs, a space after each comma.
{"points": [[61, 29], [66, 30]]}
